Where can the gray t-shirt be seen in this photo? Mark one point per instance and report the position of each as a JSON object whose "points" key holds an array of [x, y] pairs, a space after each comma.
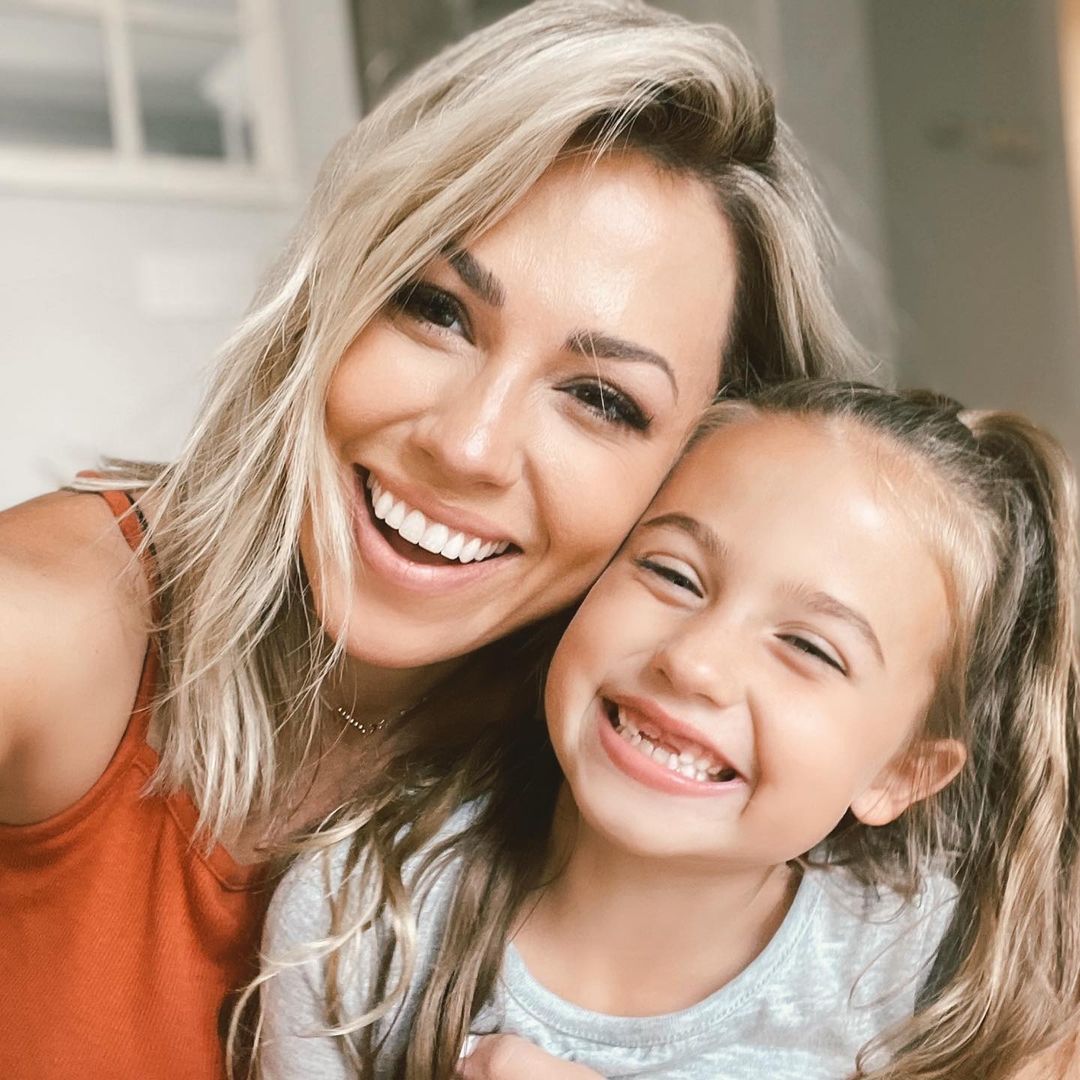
{"points": [[844, 966]]}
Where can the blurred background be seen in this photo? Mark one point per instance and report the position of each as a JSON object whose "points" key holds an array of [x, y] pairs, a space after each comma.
{"points": [[154, 154]]}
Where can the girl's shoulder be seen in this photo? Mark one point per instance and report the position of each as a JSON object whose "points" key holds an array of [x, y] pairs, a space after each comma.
{"points": [[877, 930], [73, 634]]}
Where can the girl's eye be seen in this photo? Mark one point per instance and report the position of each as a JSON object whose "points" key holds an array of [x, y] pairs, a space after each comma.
{"points": [[429, 304], [670, 573], [610, 404], [810, 648]]}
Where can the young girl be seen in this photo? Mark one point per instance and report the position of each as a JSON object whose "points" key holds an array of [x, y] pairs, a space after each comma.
{"points": [[817, 726]]}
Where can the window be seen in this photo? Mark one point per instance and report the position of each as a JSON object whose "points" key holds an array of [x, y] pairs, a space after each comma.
{"points": [[180, 97]]}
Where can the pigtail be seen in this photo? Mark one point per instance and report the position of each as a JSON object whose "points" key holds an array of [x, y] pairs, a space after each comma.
{"points": [[1007, 981]]}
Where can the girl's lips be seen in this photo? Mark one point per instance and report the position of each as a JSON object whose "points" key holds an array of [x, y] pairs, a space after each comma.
{"points": [[633, 763], [380, 558]]}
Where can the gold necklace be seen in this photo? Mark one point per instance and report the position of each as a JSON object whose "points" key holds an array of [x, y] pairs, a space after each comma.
{"points": [[364, 729]]}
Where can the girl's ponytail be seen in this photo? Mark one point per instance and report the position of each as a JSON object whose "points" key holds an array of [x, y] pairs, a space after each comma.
{"points": [[1008, 981]]}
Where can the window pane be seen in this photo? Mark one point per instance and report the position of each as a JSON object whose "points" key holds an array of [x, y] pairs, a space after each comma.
{"points": [[53, 90], [193, 94]]}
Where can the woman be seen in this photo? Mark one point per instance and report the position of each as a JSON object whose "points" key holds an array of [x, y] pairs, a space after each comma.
{"points": [[518, 282]]}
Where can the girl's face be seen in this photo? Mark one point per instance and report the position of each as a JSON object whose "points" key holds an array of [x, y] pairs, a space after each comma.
{"points": [[774, 622], [503, 424]]}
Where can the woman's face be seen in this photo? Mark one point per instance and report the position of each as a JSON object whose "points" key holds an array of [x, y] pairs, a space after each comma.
{"points": [[503, 423]]}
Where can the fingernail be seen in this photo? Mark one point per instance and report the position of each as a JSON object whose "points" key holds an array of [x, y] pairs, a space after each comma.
{"points": [[468, 1046]]}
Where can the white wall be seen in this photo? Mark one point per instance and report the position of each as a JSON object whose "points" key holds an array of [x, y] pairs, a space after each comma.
{"points": [[977, 203], [110, 310], [816, 54]]}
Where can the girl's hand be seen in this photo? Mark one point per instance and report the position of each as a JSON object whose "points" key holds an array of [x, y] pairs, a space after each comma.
{"points": [[510, 1057]]}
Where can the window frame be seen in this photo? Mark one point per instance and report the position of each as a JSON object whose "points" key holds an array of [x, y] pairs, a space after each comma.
{"points": [[127, 169]]}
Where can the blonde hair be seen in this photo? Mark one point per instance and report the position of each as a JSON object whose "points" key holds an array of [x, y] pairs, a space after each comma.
{"points": [[998, 499], [447, 154]]}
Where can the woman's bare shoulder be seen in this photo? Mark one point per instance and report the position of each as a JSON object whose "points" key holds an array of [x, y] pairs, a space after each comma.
{"points": [[73, 621]]}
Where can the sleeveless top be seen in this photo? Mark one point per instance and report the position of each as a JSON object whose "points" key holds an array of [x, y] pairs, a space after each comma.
{"points": [[121, 939]]}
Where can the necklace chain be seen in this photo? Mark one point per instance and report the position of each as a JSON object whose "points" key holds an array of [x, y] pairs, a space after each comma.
{"points": [[371, 728]]}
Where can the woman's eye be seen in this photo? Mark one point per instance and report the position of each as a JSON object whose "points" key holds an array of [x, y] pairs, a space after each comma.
{"points": [[670, 573], [610, 404], [810, 648], [429, 304]]}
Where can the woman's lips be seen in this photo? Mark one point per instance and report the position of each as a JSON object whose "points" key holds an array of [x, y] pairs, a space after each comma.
{"points": [[392, 558]]}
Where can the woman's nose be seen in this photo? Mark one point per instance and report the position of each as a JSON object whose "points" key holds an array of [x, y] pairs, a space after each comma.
{"points": [[474, 433]]}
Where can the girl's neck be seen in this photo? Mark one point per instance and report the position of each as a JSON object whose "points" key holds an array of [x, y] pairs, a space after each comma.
{"points": [[627, 935]]}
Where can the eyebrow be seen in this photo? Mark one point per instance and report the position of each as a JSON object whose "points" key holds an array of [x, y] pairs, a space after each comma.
{"points": [[589, 343], [696, 530], [478, 278], [583, 342], [816, 600], [825, 604]]}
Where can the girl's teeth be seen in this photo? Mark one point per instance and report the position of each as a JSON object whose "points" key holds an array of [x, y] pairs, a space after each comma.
{"points": [[432, 536], [694, 765]]}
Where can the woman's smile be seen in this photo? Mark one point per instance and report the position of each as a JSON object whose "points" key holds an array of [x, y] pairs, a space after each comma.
{"points": [[430, 549]]}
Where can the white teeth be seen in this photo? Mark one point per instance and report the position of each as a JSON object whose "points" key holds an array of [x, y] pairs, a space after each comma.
{"points": [[383, 504], [396, 515], [432, 536], [452, 548], [693, 764], [412, 528]]}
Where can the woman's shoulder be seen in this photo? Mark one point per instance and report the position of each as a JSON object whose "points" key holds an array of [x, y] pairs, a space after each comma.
{"points": [[73, 632]]}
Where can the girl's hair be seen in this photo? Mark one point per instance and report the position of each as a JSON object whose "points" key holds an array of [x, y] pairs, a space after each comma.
{"points": [[444, 157], [997, 501]]}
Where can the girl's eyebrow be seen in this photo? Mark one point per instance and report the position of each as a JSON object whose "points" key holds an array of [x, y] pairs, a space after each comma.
{"points": [[696, 530], [822, 602], [826, 604]]}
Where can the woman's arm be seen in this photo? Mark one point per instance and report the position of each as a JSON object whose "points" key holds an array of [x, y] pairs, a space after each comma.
{"points": [[72, 641], [510, 1057]]}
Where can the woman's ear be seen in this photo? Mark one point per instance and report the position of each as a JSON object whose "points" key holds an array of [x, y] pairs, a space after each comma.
{"points": [[917, 773]]}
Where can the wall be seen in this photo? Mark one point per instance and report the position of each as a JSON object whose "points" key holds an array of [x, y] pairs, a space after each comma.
{"points": [[977, 203], [111, 309]]}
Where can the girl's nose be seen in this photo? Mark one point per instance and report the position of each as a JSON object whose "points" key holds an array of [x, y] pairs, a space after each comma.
{"points": [[473, 435], [701, 660]]}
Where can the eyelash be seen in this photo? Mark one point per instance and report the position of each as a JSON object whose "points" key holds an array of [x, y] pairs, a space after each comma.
{"points": [[440, 309], [429, 304], [814, 651], [681, 581], [610, 404]]}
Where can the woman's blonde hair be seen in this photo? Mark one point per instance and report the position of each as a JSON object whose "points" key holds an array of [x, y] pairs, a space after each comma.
{"points": [[998, 501], [445, 156]]}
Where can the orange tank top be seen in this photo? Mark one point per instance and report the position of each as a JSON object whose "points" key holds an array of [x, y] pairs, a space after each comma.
{"points": [[121, 940]]}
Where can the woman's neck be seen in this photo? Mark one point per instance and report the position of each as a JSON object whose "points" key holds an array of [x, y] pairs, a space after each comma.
{"points": [[628, 935], [372, 694]]}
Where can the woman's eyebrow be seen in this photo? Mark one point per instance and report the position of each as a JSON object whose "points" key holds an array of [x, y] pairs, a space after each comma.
{"points": [[592, 344], [477, 277]]}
